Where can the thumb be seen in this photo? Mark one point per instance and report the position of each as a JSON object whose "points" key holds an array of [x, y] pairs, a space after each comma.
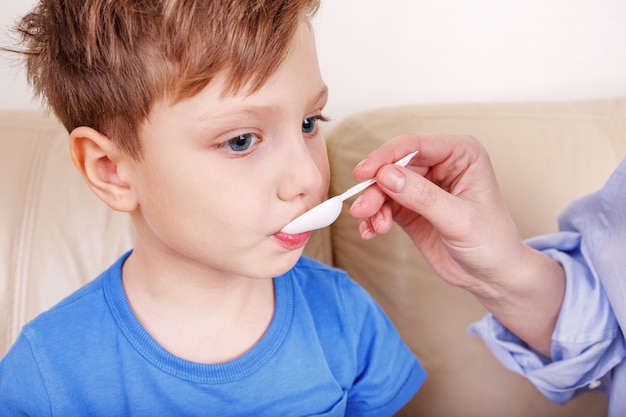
{"points": [[416, 193], [392, 178]]}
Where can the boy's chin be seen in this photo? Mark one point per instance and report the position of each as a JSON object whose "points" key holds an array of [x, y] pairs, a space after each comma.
{"points": [[286, 263]]}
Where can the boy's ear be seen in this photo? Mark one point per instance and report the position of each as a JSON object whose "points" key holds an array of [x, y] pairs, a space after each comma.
{"points": [[100, 162]]}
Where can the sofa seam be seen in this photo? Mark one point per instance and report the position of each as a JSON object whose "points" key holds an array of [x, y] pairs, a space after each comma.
{"points": [[23, 238]]}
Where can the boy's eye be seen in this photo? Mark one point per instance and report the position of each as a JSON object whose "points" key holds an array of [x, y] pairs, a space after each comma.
{"points": [[308, 124], [241, 143]]}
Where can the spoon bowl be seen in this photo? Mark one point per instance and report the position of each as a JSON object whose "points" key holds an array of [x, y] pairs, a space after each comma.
{"points": [[325, 213], [318, 217]]}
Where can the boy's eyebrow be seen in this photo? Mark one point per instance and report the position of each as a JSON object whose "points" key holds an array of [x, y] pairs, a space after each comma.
{"points": [[322, 95], [257, 111]]}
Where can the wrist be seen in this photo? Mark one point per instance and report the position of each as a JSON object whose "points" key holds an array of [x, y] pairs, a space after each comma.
{"points": [[526, 298]]}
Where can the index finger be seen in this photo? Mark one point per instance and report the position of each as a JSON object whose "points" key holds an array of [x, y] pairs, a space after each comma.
{"points": [[433, 148]]}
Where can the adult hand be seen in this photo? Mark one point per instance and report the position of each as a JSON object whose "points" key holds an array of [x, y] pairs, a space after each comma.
{"points": [[448, 201]]}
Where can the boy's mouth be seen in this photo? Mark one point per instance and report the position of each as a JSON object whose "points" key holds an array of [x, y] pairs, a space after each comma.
{"points": [[292, 242]]}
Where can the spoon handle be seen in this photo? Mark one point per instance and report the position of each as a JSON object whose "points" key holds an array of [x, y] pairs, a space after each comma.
{"points": [[356, 189], [363, 185]]}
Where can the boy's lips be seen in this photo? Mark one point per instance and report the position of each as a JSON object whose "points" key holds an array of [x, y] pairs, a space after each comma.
{"points": [[292, 242]]}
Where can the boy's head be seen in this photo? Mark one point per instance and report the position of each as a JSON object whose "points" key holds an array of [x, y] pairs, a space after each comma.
{"points": [[198, 117], [105, 63]]}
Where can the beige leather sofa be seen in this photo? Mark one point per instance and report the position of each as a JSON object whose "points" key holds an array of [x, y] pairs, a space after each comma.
{"points": [[56, 234]]}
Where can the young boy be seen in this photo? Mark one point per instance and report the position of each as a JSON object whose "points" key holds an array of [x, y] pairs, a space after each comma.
{"points": [[199, 118]]}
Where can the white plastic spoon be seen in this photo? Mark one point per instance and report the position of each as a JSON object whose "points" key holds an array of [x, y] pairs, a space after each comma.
{"points": [[327, 212]]}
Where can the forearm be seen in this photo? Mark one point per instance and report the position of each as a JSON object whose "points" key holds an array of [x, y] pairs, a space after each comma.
{"points": [[527, 298]]}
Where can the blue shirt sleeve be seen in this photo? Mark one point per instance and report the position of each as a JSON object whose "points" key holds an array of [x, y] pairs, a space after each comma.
{"points": [[587, 341]]}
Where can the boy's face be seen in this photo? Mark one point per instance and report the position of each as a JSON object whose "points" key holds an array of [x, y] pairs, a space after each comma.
{"points": [[220, 176]]}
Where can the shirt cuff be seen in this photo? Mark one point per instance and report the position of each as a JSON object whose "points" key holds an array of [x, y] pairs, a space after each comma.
{"points": [[587, 342]]}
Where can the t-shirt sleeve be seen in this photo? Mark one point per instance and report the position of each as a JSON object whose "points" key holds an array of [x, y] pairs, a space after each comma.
{"points": [[22, 389], [388, 374]]}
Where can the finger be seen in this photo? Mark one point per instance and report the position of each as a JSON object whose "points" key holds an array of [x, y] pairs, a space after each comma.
{"points": [[365, 230], [383, 220], [379, 223], [373, 210], [433, 149], [368, 203], [388, 153], [419, 195]]}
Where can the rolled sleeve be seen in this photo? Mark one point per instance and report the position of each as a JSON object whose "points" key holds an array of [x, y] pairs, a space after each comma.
{"points": [[587, 341]]}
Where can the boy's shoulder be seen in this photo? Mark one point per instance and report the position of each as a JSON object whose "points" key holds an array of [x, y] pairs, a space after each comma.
{"points": [[81, 310], [76, 305]]}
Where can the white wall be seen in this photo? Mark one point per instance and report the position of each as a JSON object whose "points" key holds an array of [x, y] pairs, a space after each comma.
{"points": [[14, 92], [424, 51], [377, 53]]}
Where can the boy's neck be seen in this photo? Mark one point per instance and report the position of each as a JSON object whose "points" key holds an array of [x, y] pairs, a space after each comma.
{"points": [[202, 320]]}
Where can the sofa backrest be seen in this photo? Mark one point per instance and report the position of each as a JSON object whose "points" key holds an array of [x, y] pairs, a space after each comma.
{"points": [[56, 235]]}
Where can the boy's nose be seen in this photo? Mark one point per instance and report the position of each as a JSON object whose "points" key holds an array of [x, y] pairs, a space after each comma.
{"points": [[301, 175]]}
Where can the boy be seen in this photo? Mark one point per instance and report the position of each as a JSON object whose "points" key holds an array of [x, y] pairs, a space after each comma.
{"points": [[199, 118]]}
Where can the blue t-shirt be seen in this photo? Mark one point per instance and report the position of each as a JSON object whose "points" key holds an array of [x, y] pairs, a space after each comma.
{"points": [[328, 351]]}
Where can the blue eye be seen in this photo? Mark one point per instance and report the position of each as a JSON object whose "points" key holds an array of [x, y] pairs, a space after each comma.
{"points": [[241, 143], [309, 124]]}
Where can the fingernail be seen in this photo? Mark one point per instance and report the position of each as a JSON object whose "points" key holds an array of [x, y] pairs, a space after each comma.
{"points": [[358, 201], [377, 220], [360, 164], [392, 178], [365, 231]]}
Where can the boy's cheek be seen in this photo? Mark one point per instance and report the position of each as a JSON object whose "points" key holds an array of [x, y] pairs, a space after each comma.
{"points": [[321, 157]]}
